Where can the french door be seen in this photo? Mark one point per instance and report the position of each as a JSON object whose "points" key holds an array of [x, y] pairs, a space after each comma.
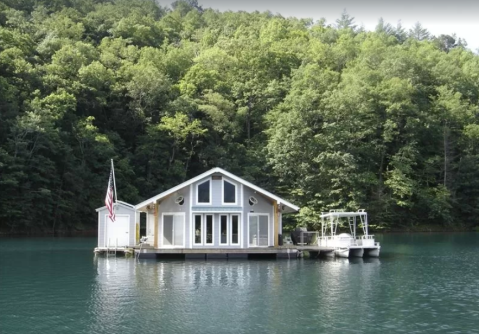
{"points": [[258, 235], [203, 229], [230, 232]]}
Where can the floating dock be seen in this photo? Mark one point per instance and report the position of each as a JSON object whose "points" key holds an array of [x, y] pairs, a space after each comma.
{"points": [[215, 253], [327, 243]]}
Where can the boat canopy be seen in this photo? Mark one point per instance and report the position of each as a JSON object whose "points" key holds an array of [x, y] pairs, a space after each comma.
{"points": [[341, 214]]}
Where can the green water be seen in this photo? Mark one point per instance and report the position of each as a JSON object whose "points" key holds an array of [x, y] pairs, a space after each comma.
{"points": [[425, 283]]}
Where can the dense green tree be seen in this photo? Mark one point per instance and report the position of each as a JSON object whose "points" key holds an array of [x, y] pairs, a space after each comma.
{"points": [[328, 116]]}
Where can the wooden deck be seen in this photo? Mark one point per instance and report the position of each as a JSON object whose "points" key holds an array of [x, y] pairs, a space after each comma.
{"points": [[285, 252], [225, 253]]}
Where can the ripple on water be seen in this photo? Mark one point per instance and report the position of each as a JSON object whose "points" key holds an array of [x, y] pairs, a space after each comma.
{"points": [[421, 284]]}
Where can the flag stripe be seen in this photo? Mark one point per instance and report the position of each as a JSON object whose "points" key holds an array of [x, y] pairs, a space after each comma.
{"points": [[109, 197]]}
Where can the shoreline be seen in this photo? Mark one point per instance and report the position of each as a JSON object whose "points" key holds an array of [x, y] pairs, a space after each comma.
{"points": [[94, 233]]}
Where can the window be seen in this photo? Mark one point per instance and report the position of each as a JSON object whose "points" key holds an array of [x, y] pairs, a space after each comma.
{"points": [[230, 230], [198, 229], [204, 192], [180, 200], [234, 229], [203, 229], [223, 230], [229, 192], [209, 229]]}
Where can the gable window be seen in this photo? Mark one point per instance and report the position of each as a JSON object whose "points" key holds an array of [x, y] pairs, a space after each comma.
{"points": [[204, 192], [229, 192]]}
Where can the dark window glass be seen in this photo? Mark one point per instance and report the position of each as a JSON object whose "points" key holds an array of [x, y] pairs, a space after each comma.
{"points": [[209, 229], [234, 229], [198, 229], [224, 229], [229, 192], [204, 192]]}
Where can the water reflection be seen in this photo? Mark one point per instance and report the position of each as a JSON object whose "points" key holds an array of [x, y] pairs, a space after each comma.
{"points": [[409, 292]]}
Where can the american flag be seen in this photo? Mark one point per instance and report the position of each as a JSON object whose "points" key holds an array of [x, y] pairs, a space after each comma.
{"points": [[109, 197]]}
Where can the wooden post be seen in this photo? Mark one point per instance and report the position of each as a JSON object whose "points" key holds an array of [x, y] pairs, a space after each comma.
{"points": [[276, 224], [156, 224], [137, 235]]}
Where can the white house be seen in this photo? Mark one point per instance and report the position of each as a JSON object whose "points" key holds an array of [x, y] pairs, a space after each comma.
{"points": [[215, 210]]}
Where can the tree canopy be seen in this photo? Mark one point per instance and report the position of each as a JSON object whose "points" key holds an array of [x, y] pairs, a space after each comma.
{"points": [[328, 116]]}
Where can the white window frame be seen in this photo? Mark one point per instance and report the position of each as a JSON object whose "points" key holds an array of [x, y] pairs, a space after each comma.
{"points": [[269, 228], [212, 229], [211, 192], [223, 192], [163, 214], [203, 229], [230, 236], [194, 229], [229, 229]]}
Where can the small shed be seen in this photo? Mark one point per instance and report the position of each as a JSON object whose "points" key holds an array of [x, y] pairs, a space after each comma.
{"points": [[123, 232]]}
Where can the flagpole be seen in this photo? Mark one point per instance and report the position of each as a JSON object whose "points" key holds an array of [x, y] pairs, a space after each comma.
{"points": [[114, 182]]}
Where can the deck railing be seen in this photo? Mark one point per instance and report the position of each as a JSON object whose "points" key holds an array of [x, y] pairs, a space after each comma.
{"points": [[346, 241]]}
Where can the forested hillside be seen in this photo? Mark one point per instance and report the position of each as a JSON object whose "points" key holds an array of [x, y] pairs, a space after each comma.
{"points": [[324, 114]]}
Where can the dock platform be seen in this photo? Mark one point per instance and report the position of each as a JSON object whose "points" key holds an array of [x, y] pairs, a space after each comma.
{"points": [[215, 253]]}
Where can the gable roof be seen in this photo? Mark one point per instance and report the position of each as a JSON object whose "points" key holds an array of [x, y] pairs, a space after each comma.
{"points": [[290, 206], [119, 203]]}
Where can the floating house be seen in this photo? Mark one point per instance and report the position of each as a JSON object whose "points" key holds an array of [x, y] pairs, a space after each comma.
{"points": [[216, 214], [220, 215], [120, 234]]}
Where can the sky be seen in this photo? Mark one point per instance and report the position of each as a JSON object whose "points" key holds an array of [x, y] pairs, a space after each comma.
{"points": [[439, 17]]}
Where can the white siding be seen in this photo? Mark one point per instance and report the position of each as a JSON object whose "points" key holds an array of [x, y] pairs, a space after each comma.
{"points": [[102, 226]]}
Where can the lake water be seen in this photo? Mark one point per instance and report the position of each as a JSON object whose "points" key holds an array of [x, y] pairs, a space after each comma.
{"points": [[423, 283]]}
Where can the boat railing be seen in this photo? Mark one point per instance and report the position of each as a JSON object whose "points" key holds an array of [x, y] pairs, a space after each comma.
{"points": [[336, 241], [369, 236]]}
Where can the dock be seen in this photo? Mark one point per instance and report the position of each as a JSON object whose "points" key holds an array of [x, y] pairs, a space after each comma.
{"points": [[327, 243], [218, 253]]}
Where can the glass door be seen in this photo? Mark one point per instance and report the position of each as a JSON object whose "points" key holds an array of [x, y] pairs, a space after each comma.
{"points": [[230, 231], [173, 230], [203, 230], [258, 235]]}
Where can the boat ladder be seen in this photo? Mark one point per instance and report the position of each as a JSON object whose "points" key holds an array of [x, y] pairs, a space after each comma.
{"points": [[111, 251]]}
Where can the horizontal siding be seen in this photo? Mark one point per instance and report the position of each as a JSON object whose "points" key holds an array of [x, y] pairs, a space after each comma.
{"points": [[217, 209]]}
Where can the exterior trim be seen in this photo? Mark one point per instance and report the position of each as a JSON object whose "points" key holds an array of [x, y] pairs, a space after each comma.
{"points": [[210, 194], [217, 209], [227, 229], [204, 230], [290, 206], [231, 229], [223, 192]]}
